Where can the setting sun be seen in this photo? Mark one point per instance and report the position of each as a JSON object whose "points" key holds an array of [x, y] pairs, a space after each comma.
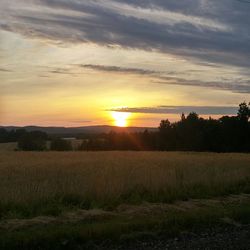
{"points": [[121, 118]]}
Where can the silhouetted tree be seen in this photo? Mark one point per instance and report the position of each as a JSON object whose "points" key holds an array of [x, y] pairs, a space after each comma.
{"points": [[244, 112], [11, 136], [166, 135]]}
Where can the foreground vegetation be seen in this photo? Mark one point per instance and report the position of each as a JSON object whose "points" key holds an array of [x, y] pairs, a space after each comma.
{"points": [[48, 183], [62, 200], [108, 230]]}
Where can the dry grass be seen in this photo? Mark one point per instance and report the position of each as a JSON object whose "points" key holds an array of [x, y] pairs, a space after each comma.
{"points": [[101, 177], [44, 196]]}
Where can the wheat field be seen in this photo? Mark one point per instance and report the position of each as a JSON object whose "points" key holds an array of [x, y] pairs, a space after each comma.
{"points": [[40, 190], [27, 177]]}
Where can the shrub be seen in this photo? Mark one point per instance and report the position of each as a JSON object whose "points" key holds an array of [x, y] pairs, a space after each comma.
{"points": [[33, 141], [60, 145]]}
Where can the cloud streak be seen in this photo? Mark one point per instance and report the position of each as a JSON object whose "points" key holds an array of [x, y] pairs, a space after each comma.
{"points": [[5, 70], [166, 78], [116, 69], [236, 86], [202, 110]]}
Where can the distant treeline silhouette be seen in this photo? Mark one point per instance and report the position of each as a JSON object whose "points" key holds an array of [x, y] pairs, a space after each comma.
{"points": [[28, 141], [191, 133]]}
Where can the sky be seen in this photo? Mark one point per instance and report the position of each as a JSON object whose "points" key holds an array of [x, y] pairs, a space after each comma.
{"points": [[124, 62]]}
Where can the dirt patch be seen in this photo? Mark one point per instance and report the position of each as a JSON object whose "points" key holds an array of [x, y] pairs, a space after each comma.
{"points": [[69, 217], [149, 208]]}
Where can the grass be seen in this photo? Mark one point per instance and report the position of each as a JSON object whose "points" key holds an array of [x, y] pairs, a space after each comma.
{"points": [[133, 190], [49, 183], [122, 229]]}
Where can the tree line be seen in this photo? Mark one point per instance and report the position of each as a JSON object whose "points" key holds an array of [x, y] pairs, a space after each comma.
{"points": [[190, 133]]}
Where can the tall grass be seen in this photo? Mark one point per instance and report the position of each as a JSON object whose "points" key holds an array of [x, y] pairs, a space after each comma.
{"points": [[37, 181]]}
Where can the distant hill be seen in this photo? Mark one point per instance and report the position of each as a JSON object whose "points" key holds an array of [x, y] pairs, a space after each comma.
{"points": [[79, 130]]}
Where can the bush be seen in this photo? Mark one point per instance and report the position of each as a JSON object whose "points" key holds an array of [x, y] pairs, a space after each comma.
{"points": [[33, 141], [60, 145]]}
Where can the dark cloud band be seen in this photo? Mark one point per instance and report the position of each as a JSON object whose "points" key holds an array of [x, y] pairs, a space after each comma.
{"points": [[166, 78], [202, 110]]}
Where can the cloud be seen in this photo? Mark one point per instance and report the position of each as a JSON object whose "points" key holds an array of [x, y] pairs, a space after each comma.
{"points": [[5, 70], [62, 71], [116, 69], [202, 110], [46, 70], [209, 31], [159, 77], [235, 86]]}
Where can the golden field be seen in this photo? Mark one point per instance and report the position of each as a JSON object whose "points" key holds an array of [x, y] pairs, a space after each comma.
{"points": [[100, 177], [49, 198]]}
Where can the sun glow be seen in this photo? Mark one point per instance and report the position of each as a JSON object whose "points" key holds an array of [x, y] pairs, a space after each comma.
{"points": [[121, 118]]}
